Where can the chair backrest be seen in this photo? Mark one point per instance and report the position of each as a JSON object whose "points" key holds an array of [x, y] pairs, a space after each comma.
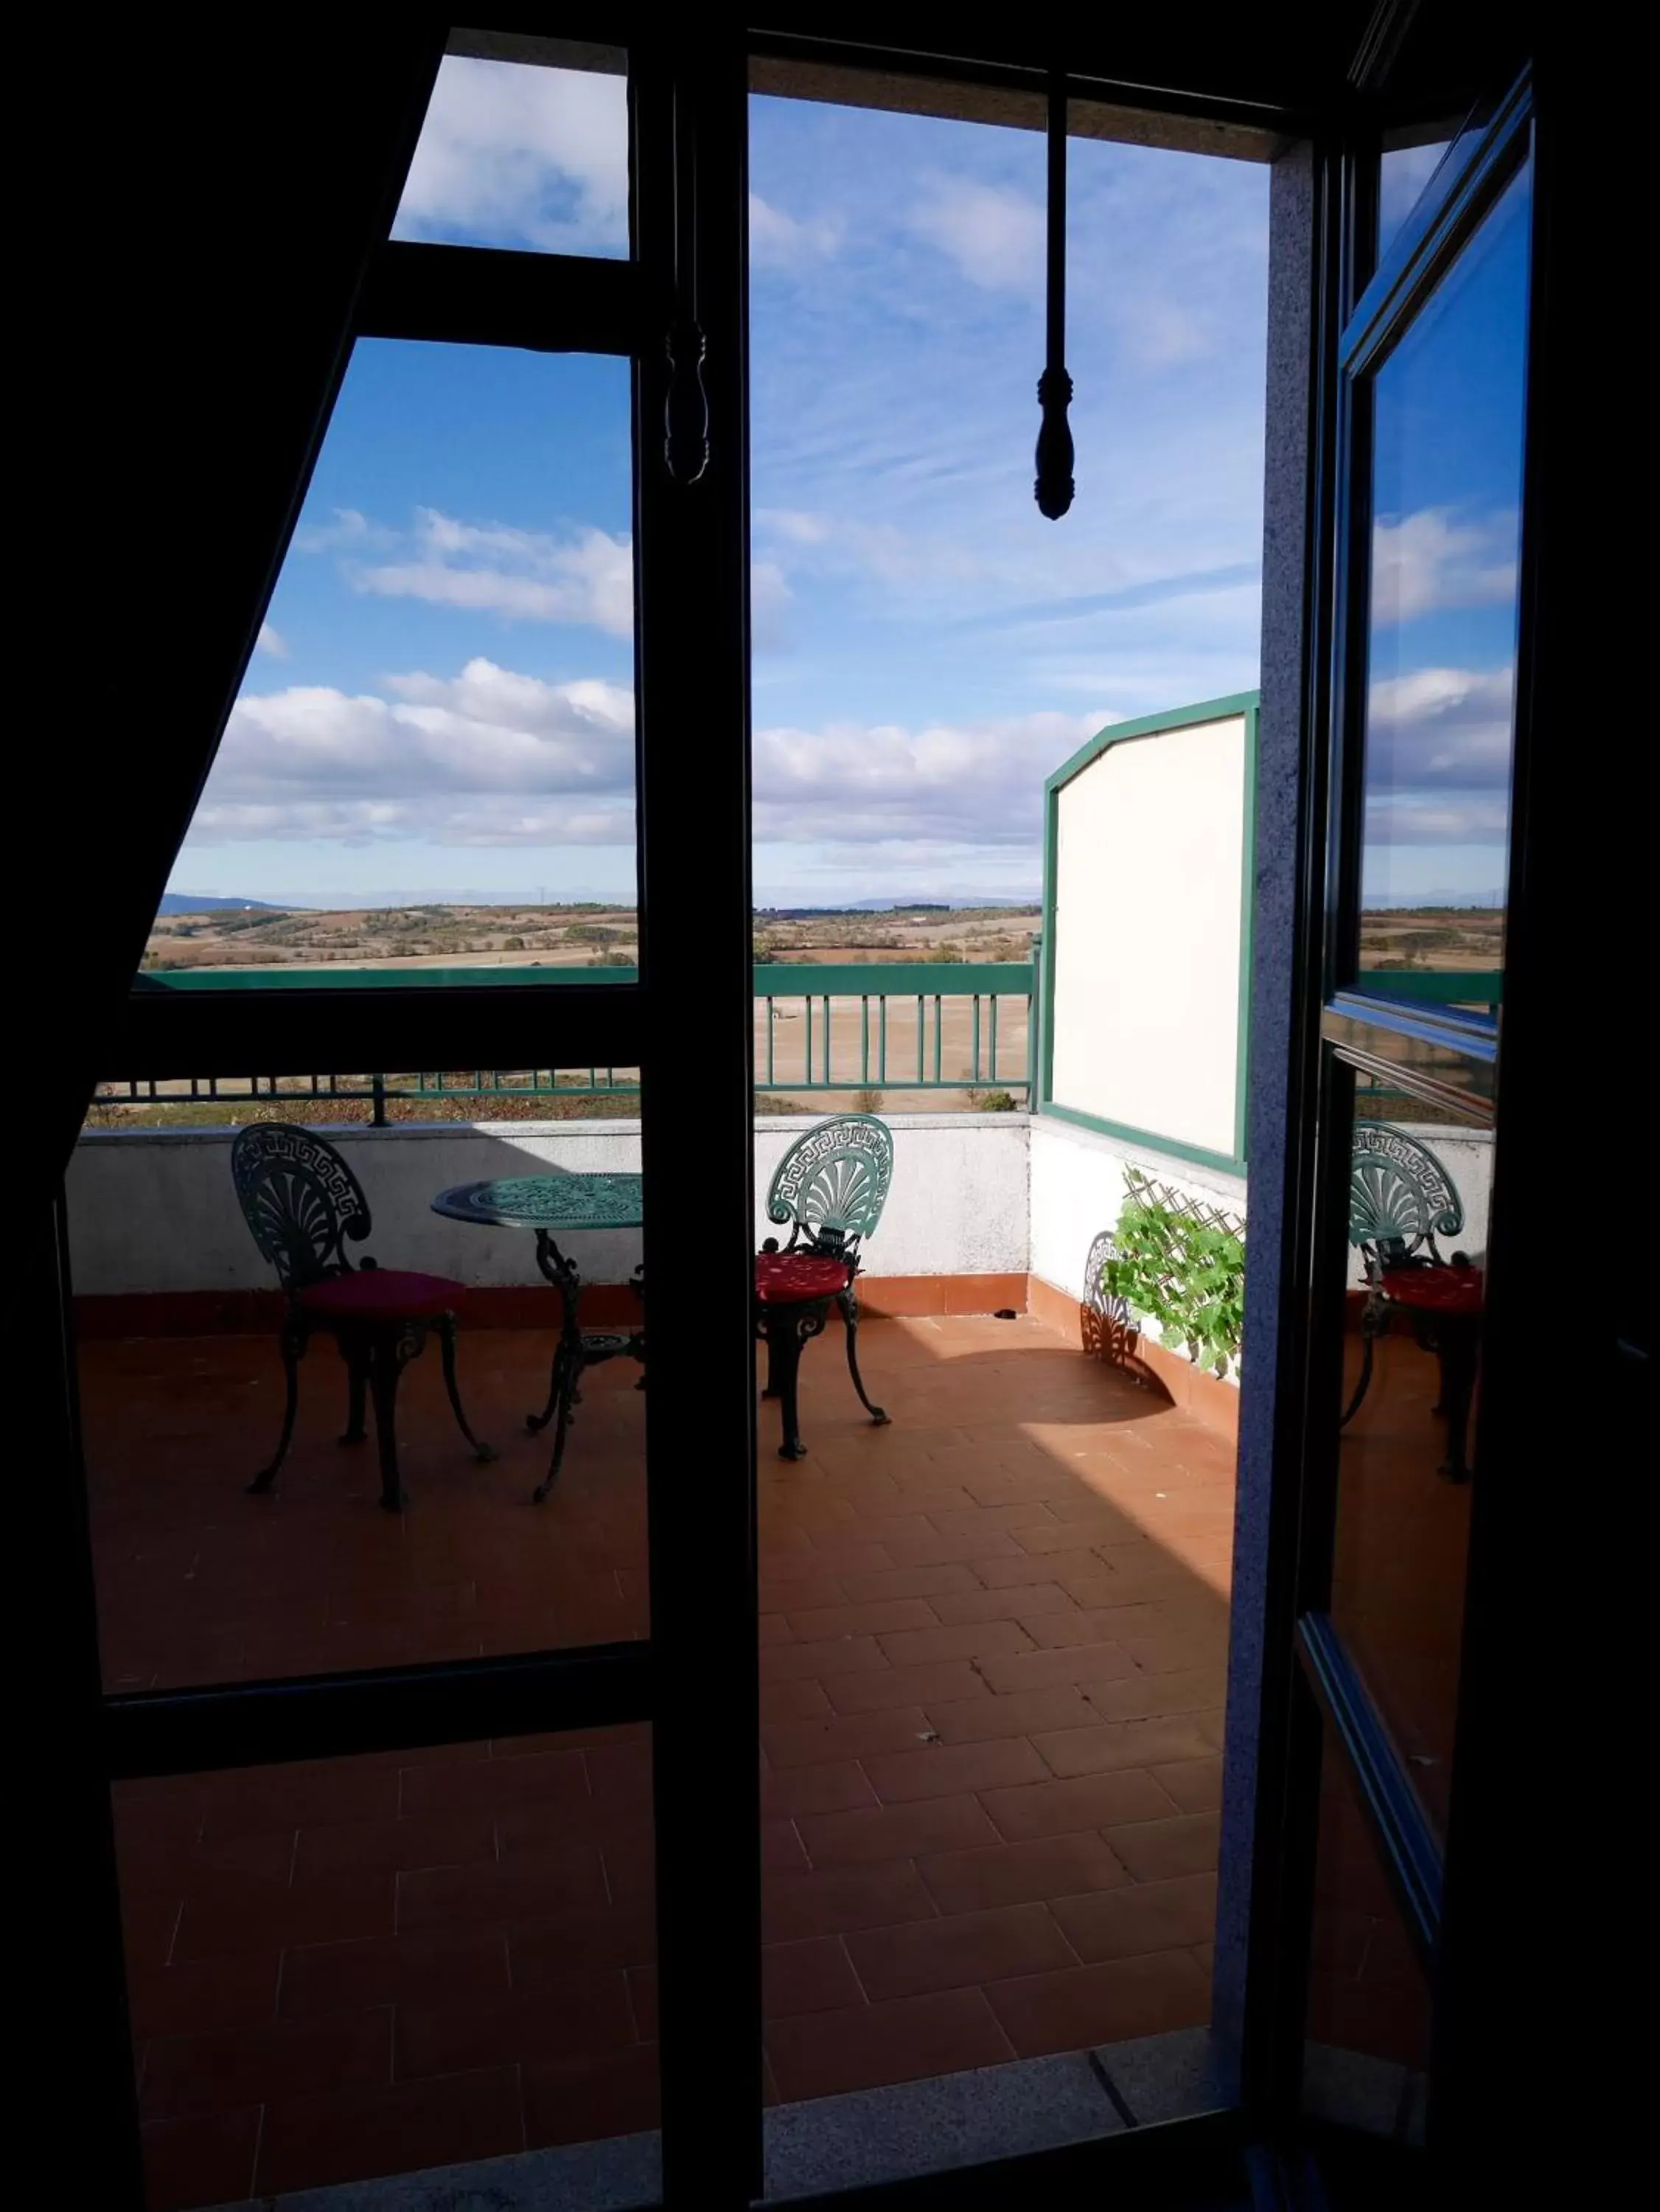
{"points": [[1400, 1196], [831, 1184], [301, 1200]]}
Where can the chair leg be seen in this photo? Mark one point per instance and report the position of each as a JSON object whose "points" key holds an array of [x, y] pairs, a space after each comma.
{"points": [[788, 1328], [849, 1303], [1374, 1321], [357, 1391], [445, 1326], [292, 1343], [1458, 1346], [388, 1358]]}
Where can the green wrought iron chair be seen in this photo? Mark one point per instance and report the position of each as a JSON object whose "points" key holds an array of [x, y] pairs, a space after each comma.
{"points": [[304, 1205], [830, 1187], [1401, 1199]]}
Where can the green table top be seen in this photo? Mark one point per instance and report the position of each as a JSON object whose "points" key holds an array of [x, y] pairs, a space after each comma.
{"points": [[547, 1202]]}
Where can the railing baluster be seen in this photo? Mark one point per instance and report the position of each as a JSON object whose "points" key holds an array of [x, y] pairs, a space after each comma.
{"points": [[827, 1032], [976, 1036], [864, 1040], [994, 1036], [806, 1002], [881, 1038], [939, 1039], [772, 1041]]}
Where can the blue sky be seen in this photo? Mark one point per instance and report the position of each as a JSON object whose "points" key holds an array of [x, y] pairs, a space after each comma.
{"points": [[441, 706], [1447, 456]]}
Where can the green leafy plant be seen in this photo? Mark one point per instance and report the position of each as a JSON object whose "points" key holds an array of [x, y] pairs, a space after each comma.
{"points": [[1188, 1278]]}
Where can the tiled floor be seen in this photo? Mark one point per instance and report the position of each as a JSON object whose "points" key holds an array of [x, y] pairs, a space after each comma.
{"points": [[992, 1667]]}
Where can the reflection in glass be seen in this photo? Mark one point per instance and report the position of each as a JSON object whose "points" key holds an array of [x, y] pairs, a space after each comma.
{"points": [[1419, 1196], [1406, 164], [1368, 2010], [1447, 435], [431, 764], [524, 157], [354, 1967], [230, 1338]]}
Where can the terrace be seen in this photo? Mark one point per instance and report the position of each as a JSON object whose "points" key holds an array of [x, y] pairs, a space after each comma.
{"points": [[994, 1633]]}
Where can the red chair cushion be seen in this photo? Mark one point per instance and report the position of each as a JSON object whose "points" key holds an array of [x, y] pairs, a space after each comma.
{"points": [[1435, 1290], [786, 1278], [379, 1294]]}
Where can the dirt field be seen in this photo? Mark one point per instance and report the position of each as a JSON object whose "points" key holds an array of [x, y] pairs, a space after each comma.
{"points": [[1432, 939], [558, 936]]}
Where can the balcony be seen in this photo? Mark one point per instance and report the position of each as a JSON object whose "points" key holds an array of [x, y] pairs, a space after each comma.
{"points": [[992, 1660], [994, 1637]]}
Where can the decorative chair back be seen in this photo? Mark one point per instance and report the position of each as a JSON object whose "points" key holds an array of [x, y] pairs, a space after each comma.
{"points": [[1401, 1199], [831, 1184], [301, 1200]]}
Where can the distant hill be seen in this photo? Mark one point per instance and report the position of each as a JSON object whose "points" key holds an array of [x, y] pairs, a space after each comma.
{"points": [[188, 903]]}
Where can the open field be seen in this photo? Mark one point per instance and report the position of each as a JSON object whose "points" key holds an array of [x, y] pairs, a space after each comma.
{"points": [[1432, 938], [558, 936]]}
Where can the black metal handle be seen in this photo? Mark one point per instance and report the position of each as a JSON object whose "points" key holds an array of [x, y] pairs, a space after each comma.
{"points": [[686, 411], [1054, 488]]}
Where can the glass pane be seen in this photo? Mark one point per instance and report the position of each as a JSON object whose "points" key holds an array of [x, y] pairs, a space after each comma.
{"points": [[518, 155], [1418, 1221], [431, 767], [994, 1629], [1447, 436], [1406, 166], [365, 1967], [1366, 2061], [185, 1335]]}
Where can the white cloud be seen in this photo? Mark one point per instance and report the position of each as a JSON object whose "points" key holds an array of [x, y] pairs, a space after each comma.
{"points": [[996, 236], [526, 576], [777, 241], [947, 783], [492, 757], [1409, 818], [1161, 333], [345, 529], [520, 156], [1424, 563], [271, 641], [1440, 728], [485, 757]]}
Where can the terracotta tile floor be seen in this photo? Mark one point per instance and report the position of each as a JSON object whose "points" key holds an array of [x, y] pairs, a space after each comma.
{"points": [[992, 1667]]}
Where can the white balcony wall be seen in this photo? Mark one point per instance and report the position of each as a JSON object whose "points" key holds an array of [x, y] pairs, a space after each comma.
{"points": [[154, 1209], [1078, 1190]]}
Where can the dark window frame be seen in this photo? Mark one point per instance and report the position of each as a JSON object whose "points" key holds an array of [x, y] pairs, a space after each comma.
{"points": [[712, 2139]]}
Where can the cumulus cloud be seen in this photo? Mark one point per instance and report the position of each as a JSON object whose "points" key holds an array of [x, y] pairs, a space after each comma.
{"points": [[777, 241], [1424, 563], [945, 783], [485, 757], [1438, 758], [1440, 726], [996, 236], [490, 757], [525, 576], [272, 641], [515, 156]]}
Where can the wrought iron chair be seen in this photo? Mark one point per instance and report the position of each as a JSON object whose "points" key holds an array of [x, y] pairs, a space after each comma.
{"points": [[1401, 1199], [831, 1186], [304, 1206]]}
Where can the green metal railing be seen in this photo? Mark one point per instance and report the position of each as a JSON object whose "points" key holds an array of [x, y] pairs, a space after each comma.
{"points": [[926, 1026]]}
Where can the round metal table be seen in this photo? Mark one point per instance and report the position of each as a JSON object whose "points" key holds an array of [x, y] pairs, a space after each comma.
{"points": [[555, 1206]]}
